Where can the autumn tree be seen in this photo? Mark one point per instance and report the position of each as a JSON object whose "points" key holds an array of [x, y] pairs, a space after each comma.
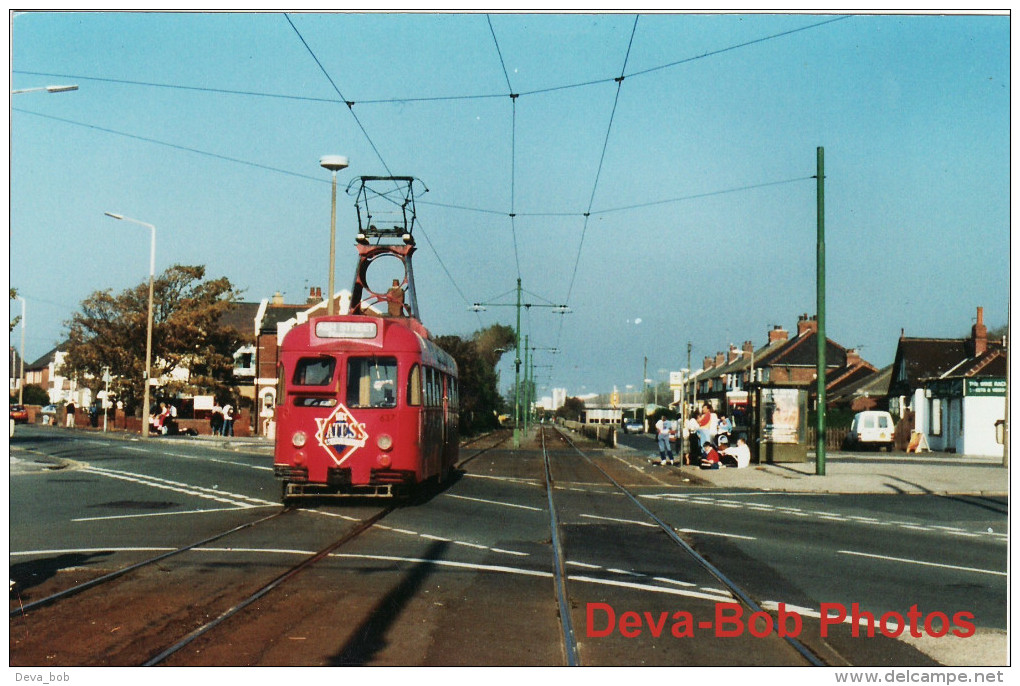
{"points": [[110, 332], [477, 357]]}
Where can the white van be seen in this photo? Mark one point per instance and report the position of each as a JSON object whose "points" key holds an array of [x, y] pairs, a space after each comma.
{"points": [[872, 428]]}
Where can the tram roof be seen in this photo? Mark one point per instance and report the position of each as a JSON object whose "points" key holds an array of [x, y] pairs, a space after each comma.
{"points": [[364, 333]]}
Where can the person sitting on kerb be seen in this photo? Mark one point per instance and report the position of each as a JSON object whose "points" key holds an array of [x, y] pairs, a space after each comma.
{"points": [[738, 455]]}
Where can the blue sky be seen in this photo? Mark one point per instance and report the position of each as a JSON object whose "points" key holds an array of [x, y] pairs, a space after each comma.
{"points": [[695, 169]]}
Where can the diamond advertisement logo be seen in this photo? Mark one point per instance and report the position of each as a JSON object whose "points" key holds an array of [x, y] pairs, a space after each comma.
{"points": [[340, 434]]}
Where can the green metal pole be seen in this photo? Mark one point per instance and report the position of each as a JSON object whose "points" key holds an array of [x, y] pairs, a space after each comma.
{"points": [[527, 391], [820, 439], [517, 371]]}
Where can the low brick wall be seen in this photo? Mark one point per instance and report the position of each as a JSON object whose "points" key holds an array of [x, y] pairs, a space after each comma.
{"points": [[603, 433]]}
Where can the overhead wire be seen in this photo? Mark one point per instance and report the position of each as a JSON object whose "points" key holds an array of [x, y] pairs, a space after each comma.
{"points": [[514, 96], [598, 172], [364, 131], [513, 145], [440, 98]]}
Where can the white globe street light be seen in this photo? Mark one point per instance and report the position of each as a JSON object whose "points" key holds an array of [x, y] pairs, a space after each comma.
{"points": [[334, 163]]}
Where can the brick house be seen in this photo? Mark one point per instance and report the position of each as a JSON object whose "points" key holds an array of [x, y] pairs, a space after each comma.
{"points": [[783, 362]]}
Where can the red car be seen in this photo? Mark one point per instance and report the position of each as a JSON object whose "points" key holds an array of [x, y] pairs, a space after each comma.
{"points": [[19, 414]]}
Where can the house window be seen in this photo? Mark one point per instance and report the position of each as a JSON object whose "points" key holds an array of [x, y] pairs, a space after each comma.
{"points": [[935, 412]]}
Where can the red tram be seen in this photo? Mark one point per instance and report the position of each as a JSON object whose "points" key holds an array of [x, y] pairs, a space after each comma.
{"points": [[368, 407], [367, 404]]}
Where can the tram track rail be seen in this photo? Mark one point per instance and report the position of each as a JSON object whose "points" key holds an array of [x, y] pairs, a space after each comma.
{"points": [[559, 568], [111, 576], [293, 571], [501, 438], [737, 592], [161, 654]]}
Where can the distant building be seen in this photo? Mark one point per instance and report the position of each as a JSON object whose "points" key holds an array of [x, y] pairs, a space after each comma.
{"points": [[783, 362], [559, 397], [956, 389]]}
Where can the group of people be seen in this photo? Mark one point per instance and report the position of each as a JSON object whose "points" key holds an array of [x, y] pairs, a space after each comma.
{"points": [[221, 421], [163, 420], [709, 437]]}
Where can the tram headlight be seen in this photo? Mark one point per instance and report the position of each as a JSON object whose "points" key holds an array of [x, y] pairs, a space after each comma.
{"points": [[383, 461], [385, 442], [299, 439]]}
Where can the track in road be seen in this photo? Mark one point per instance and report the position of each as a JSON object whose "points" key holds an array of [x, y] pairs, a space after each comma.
{"points": [[166, 620], [740, 594]]}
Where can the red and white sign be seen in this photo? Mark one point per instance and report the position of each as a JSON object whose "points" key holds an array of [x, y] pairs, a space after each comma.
{"points": [[340, 434]]}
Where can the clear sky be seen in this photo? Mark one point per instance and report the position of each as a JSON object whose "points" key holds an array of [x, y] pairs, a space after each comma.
{"points": [[695, 170]]}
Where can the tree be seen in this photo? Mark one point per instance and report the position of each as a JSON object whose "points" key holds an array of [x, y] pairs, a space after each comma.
{"points": [[110, 332], [572, 410], [477, 357], [34, 394], [14, 296]]}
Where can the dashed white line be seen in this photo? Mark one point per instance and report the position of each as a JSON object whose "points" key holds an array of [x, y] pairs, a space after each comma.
{"points": [[622, 521], [495, 502], [923, 563]]}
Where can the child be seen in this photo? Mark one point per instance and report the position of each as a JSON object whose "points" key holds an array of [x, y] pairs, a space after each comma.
{"points": [[709, 456]]}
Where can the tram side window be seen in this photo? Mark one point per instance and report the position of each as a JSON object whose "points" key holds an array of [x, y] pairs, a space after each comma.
{"points": [[371, 382], [414, 386], [429, 386], [314, 371]]}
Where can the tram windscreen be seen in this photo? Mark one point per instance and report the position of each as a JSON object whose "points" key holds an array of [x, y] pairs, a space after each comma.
{"points": [[314, 371], [372, 382]]}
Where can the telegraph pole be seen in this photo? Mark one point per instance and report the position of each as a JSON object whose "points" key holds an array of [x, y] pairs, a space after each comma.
{"points": [[820, 438]]}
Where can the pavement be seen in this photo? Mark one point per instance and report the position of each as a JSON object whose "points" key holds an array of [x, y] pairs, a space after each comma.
{"points": [[894, 472]]}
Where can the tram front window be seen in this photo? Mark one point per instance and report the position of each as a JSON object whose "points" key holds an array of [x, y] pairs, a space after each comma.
{"points": [[314, 371], [372, 382]]}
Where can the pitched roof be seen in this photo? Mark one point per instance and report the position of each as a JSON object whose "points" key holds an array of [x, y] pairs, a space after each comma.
{"points": [[279, 313], [240, 316], [45, 360], [802, 351], [990, 363]]}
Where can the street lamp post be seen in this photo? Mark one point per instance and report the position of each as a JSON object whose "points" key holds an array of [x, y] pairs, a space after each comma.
{"points": [[48, 89], [334, 163], [148, 330], [21, 363]]}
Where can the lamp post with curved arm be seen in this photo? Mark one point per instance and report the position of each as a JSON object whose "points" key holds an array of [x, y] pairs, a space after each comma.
{"points": [[148, 331]]}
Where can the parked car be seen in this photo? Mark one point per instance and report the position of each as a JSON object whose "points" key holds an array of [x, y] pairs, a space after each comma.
{"points": [[633, 426], [872, 428], [19, 414]]}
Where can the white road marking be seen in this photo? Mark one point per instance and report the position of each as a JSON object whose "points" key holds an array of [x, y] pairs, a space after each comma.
{"points": [[716, 533], [823, 515], [809, 612], [164, 514], [657, 589], [214, 459], [178, 487], [494, 502], [622, 521], [921, 562], [512, 479]]}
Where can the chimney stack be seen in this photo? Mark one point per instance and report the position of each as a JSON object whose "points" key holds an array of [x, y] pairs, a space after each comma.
{"points": [[733, 355], [853, 357], [708, 363], [720, 359], [979, 334], [277, 298], [806, 324], [778, 333]]}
